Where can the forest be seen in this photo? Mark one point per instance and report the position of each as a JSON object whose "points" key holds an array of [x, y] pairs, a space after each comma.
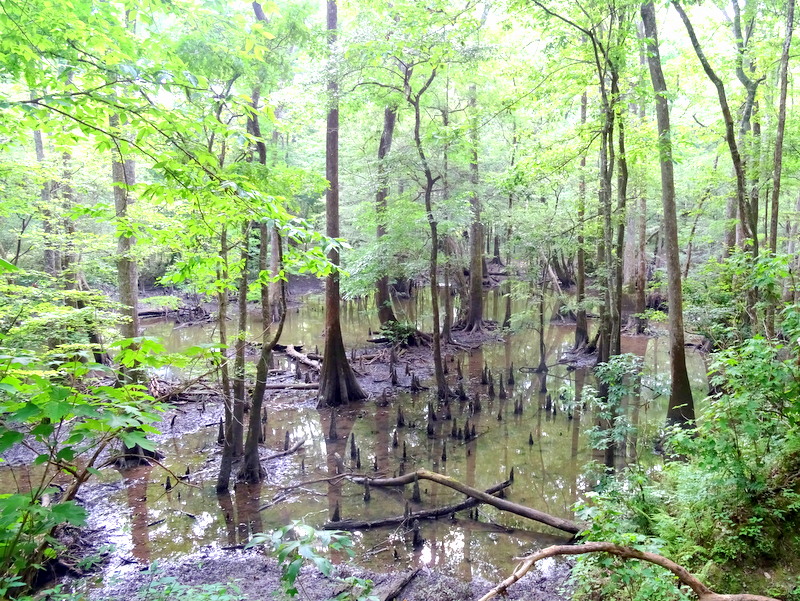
{"points": [[420, 299]]}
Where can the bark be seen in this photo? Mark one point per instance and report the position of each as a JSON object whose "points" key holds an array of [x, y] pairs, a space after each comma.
{"points": [[622, 197], [74, 279], [641, 268], [252, 471], [222, 322], [233, 446], [581, 322], [50, 254], [415, 100], [681, 404], [337, 382], [683, 575], [778, 158], [447, 325], [123, 175], [474, 320], [382, 297]]}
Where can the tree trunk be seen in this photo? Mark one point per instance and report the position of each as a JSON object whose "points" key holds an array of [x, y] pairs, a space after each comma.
{"points": [[474, 321], [123, 175], [233, 445], [382, 297], [581, 323], [337, 382], [51, 254], [681, 404], [252, 471], [415, 100], [622, 197], [778, 160]]}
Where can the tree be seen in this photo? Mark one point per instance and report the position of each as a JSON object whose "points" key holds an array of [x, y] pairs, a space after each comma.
{"points": [[337, 382], [681, 405]]}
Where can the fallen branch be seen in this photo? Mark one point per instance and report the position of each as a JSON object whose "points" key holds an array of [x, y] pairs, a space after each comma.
{"points": [[684, 576], [515, 508], [390, 592], [293, 449], [292, 352], [292, 386], [427, 514]]}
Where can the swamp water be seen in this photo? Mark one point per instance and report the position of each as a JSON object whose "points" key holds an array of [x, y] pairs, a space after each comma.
{"points": [[146, 523]]}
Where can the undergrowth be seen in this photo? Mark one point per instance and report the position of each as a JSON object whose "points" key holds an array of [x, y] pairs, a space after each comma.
{"points": [[725, 503]]}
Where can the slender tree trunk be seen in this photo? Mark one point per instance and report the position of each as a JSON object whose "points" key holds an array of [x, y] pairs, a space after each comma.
{"points": [[51, 254], [415, 100], [622, 196], [123, 176], [239, 382], [382, 297], [641, 269], [581, 323], [475, 308], [447, 324], [252, 471], [681, 404], [233, 446], [778, 160], [337, 382]]}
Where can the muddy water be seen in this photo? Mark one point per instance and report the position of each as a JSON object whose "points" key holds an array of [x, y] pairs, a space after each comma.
{"points": [[148, 523]]}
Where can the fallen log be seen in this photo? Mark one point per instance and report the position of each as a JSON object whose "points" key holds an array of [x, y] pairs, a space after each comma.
{"points": [[292, 352], [292, 386], [293, 449], [282, 347], [392, 590], [427, 514], [684, 576], [515, 508]]}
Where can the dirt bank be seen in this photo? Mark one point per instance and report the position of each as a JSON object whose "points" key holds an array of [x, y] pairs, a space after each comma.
{"points": [[256, 577]]}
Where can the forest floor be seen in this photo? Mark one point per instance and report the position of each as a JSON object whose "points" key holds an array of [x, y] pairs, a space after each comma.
{"points": [[256, 577]]}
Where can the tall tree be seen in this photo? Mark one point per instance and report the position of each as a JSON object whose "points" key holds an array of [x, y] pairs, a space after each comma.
{"points": [[337, 382], [123, 176], [382, 297], [681, 405], [474, 321]]}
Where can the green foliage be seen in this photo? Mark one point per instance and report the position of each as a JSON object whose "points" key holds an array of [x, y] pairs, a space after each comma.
{"points": [[620, 377], [65, 411], [727, 504], [168, 588], [717, 296], [298, 544]]}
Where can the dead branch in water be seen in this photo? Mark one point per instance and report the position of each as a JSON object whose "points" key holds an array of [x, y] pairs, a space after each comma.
{"points": [[293, 449], [292, 352], [515, 508], [427, 514], [684, 576]]}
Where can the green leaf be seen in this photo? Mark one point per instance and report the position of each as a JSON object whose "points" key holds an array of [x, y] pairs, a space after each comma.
{"points": [[6, 267], [9, 438], [69, 512]]}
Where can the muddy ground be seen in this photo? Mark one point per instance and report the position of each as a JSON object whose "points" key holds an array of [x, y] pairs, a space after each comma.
{"points": [[252, 576]]}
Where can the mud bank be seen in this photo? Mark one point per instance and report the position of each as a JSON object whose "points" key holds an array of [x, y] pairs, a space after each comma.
{"points": [[253, 576]]}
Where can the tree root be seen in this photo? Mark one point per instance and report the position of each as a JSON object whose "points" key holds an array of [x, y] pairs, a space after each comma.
{"points": [[684, 576]]}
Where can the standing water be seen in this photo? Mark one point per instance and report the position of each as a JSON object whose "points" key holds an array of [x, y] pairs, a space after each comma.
{"points": [[536, 433]]}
